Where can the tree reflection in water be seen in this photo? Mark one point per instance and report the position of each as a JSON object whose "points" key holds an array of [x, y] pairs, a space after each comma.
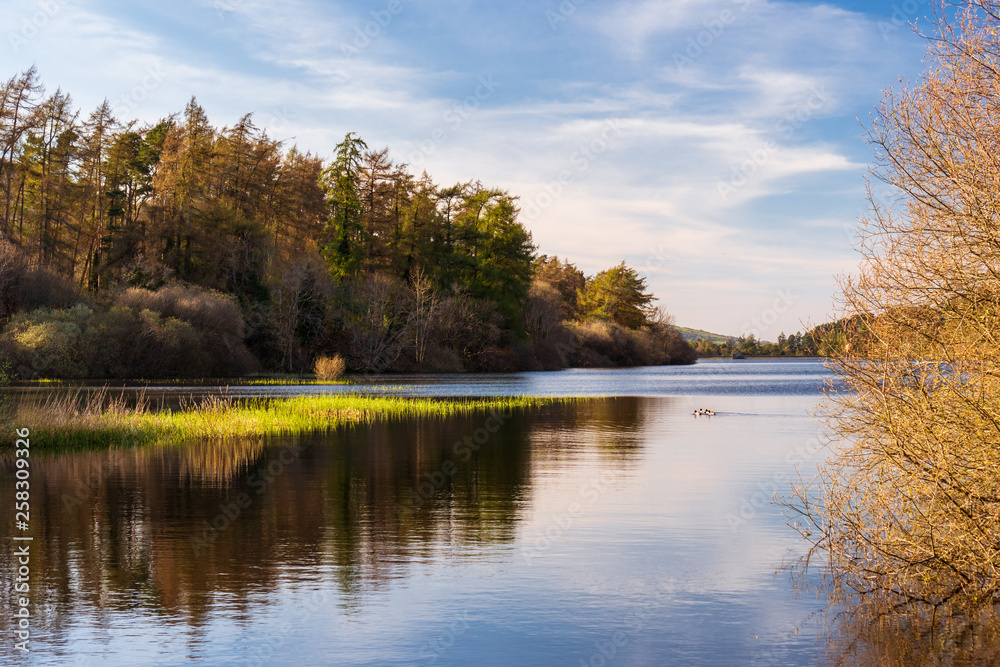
{"points": [[881, 629], [132, 530]]}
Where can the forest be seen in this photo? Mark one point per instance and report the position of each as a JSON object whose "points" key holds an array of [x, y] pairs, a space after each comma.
{"points": [[182, 249]]}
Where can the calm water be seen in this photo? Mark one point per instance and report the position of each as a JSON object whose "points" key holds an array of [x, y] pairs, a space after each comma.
{"points": [[621, 530]]}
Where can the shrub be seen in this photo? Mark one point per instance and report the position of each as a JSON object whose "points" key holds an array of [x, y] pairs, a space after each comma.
{"points": [[204, 309], [603, 344], [13, 267], [329, 368], [25, 288], [215, 319], [46, 343], [374, 316]]}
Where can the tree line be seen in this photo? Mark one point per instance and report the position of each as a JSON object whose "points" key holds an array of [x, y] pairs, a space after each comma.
{"points": [[181, 235], [820, 341]]}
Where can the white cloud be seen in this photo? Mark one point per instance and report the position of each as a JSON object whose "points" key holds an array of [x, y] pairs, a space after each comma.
{"points": [[651, 186]]}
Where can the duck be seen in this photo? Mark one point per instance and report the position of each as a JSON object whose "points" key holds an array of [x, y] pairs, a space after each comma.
{"points": [[703, 412]]}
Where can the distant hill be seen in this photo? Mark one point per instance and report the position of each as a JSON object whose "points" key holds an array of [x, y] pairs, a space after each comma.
{"points": [[694, 334]]}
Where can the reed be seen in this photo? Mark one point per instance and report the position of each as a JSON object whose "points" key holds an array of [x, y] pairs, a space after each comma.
{"points": [[75, 420]]}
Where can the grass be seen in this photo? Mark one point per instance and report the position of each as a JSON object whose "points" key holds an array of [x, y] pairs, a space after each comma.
{"points": [[99, 421], [290, 381]]}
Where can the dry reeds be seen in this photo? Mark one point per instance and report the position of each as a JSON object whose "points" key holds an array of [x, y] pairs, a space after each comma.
{"points": [[86, 421]]}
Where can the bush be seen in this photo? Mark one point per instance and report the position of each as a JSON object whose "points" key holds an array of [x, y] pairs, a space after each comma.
{"points": [[329, 368], [25, 288], [604, 344], [13, 267], [205, 310], [46, 343], [182, 332], [126, 344], [214, 318], [551, 341]]}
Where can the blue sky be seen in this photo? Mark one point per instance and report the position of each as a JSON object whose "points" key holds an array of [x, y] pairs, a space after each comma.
{"points": [[712, 144]]}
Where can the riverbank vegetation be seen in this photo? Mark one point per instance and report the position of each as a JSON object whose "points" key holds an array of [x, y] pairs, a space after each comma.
{"points": [[820, 341], [98, 420], [908, 505], [234, 253]]}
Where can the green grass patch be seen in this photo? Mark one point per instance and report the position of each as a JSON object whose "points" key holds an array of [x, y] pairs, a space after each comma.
{"points": [[74, 421], [291, 382]]}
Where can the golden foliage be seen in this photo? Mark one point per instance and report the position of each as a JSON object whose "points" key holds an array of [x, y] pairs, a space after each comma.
{"points": [[908, 505], [329, 368]]}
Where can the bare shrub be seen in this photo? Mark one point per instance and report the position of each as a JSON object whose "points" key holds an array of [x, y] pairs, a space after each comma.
{"points": [[440, 359], [602, 343], [422, 317], [300, 307], [42, 288], [329, 368], [24, 287], [470, 327]]}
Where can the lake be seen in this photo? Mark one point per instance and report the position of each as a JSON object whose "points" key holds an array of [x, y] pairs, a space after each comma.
{"points": [[620, 530]]}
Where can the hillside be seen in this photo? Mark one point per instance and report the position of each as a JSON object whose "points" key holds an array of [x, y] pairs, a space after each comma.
{"points": [[692, 335]]}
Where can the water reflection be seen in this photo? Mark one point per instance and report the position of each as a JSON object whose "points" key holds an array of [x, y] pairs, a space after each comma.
{"points": [[170, 531], [438, 541], [870, 632]]}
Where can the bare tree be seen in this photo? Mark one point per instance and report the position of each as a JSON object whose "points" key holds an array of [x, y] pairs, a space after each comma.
{"points": [[908, 504], [420, 319], [377, 332]]}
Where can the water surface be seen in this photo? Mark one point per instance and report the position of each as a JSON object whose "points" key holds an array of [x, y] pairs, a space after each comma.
{"points": [[619, 530]]}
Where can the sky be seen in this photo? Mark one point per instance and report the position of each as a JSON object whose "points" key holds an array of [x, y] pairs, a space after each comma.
{"points": [[717, 146]]}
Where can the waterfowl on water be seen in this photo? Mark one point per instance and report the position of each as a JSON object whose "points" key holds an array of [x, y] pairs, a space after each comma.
{"points": [[703, 411]]}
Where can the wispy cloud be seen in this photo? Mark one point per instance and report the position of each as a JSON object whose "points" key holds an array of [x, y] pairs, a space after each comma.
{"points": [[399, 74]]}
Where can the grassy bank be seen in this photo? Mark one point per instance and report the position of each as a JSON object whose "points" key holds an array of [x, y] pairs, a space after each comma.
{"points": [[76, 421]]}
